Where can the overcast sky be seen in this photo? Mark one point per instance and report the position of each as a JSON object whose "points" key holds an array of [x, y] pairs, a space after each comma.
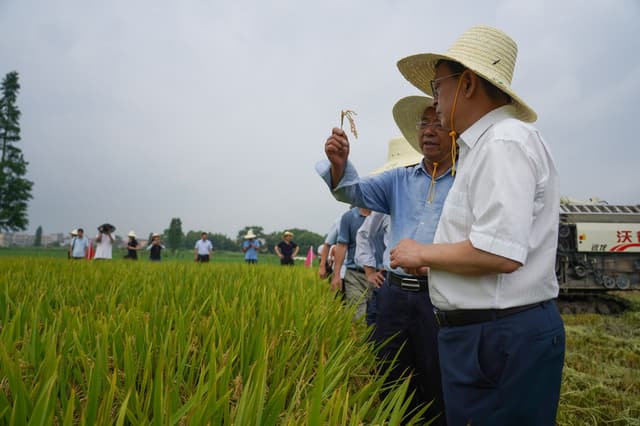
{"points": [[135, 112]]}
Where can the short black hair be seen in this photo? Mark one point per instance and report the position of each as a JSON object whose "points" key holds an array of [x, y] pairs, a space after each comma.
{"points": [[80, 230]]}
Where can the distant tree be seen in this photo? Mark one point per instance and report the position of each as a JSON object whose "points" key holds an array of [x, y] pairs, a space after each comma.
{"points": [[37, 240], [174, 234], [190, 239], [15, 189], [222, 242]]}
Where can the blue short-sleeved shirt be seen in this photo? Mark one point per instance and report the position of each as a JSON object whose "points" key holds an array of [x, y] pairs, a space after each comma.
{"points": [[252, 252], [79, 245], [347, 231]]}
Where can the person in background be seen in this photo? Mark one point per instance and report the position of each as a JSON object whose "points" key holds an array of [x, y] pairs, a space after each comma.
{"points": [[104, 242], [326, 263], [250, 247], [491, 265], [287, 249], [155, 248], [74, 234], [203, 249], [371, 242], [79, 245], [357, 290], [132, 246]]}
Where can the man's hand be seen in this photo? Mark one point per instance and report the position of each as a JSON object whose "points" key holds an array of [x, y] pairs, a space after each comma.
{"points": [[337, 150], [376, 278], [406, 255], [336, 282], [322, 272]]}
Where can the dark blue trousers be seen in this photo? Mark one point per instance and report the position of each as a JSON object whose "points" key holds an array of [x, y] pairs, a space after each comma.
{"points": [[504, 372], [372, 307], [406, 327]]}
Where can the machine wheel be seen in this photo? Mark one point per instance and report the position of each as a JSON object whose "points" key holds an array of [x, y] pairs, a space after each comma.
{"points": [[579, 271], [608, 282], [623, 282]]}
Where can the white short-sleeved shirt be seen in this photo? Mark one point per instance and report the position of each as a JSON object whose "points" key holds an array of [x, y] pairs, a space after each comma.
{"points": [[204, 246], [104, 247], [505, 200]]}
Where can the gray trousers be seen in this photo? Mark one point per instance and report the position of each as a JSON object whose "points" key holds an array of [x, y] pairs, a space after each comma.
{"points": [[357, 291]]}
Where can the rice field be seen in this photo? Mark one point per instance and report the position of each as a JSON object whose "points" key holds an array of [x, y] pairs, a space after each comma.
{"points": [[84, 343]]}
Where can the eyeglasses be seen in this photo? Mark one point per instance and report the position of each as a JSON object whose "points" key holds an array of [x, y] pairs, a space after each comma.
{"points": [[435, 84], [435, 125]]}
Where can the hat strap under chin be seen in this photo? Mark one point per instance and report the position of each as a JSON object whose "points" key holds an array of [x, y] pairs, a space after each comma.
{"points": [[432, 186], [453, 133]]}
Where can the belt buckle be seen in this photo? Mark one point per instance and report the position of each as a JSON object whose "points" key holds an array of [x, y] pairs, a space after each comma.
{"points": [[410, 284]]}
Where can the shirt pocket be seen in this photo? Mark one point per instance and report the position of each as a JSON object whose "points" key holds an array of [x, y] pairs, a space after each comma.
{"points": [[457, 212]]}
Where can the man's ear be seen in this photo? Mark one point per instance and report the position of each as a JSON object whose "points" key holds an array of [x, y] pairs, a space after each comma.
{"points": [[470, 83]]}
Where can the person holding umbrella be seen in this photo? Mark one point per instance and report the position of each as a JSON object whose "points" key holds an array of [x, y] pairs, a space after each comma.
{"points": [[104, 241]]}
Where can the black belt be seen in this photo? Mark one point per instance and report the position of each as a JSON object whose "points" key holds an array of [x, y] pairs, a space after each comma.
{"points": [[412, 283], [356, 269], [474, 316]]}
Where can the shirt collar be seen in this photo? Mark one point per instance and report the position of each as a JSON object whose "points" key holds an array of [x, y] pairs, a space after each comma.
{"points": [[470, 136], [419, 168]]}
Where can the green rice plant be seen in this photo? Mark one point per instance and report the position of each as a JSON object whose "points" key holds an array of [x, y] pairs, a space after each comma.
{"points": [[85, 343], [176, 343]]}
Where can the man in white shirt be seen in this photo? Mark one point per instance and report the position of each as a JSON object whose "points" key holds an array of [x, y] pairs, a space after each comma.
{"points": [[203, 249], [492, 278], [371, 242]]}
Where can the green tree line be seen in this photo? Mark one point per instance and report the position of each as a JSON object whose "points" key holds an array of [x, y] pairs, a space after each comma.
{"points": [[176, 239]]}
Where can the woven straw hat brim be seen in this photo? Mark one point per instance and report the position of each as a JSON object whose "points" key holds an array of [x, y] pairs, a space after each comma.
{"points": [[401, 154], [406, 113], [486, 51]]}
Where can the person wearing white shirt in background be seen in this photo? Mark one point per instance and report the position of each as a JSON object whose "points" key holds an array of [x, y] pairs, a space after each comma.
{"points": [[203, 249], [104, 242], [492, 263], [371, 242]]}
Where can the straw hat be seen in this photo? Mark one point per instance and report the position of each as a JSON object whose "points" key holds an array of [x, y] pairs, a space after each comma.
{"points": [[486, 51], [74, 232], [407, 112], [400, 154], [131, 234], [250, 235], [287, 233]]}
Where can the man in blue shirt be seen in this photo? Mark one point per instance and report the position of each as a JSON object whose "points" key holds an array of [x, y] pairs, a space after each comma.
{"points": [[250, 247], [356, 288], [413, 197], [79, 245]]}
